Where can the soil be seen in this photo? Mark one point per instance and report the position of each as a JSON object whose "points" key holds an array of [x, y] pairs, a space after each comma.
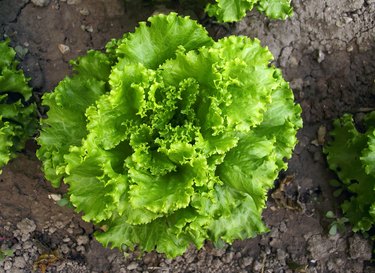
{"points": [[327, 53]]}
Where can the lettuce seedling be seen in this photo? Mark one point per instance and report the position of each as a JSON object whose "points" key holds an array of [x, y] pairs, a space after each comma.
{"points": [[235, 10], [17, 115], [170, 138], [351, 154]]}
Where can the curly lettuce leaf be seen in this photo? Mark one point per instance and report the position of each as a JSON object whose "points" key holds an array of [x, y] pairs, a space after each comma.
{"points": [[350, 155], [16, 114], [235, 10], [182, 141], [276, 9], [66, 124], [230, 10]]}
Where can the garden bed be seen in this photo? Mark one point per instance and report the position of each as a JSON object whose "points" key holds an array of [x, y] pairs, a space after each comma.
{"points": [[327, 53]]}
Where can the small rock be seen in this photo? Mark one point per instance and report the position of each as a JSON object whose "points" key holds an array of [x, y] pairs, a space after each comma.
{"points": [[27, 245], [7, 265], [64, 248], [132, 266], [73, 2], [16, 247], [87, 28], [40, 3], [349, 48], [281, 255], [258, 266], [63, 48], [320, 56], [81, 249], [26, 226], [246, 261], [66, 240], [217, 252], [216, 264], [51, 230], [82, 240], [54, 197], [84, 11], [150, 259], [19, 262], [227, 258]]}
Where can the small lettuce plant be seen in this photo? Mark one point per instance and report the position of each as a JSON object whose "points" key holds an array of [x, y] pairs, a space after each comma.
{"points": [[235, 10], [351, 154], [17, 115], [169, 138]]}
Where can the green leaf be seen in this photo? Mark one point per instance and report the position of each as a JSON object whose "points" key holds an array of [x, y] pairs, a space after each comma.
{"points": [[152, 44], [66, 123], [235, 10], [230, 10], [350, 156], [17, 115], [330, 214], [276, 9], [333, 230]]}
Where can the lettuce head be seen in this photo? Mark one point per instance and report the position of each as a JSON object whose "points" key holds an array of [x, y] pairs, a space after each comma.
{"points": [[169, 138], [17, 115]]}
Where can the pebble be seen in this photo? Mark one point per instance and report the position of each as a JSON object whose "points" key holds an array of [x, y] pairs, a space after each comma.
{"points": [[84, 12], [281, 255], [19, 262], [63, 49], [246, 261], [27, 245], [88, 28], [227, 258], [258, 266], [321, 56], [73, 2], [17, 247], [26, 226], [52, 230], [40, 3], [81, 249], [217, 252], [25, 237], [132, 266], [82, 240], [54, 197], [216, 263], [7, 265], [64, 248], [150, 258]]}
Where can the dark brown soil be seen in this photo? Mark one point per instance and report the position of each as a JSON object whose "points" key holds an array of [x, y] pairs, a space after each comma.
{"points": [[326, 51]]}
